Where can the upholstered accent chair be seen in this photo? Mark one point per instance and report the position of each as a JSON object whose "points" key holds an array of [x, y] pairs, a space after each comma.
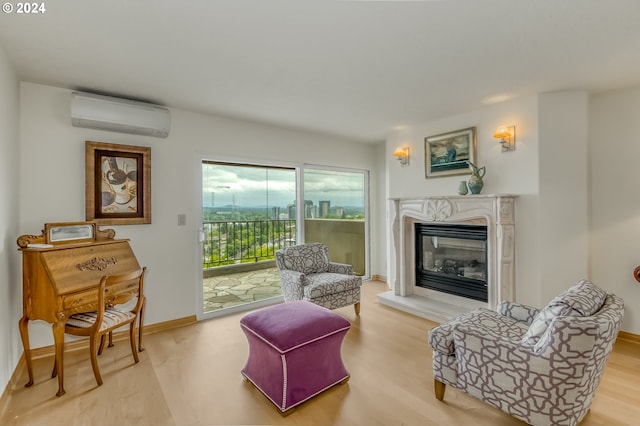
{"points": [[307, 274], [540, 366]]}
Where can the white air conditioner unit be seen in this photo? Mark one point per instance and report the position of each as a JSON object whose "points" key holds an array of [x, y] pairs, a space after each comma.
{"points": [[119, 115]]}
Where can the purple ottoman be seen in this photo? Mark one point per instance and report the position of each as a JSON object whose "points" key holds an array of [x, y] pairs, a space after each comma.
{"points": [[294, 351]]}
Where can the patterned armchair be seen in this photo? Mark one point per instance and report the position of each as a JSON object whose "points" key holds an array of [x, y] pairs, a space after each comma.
{"points": [[307, 274], [541, 366]]}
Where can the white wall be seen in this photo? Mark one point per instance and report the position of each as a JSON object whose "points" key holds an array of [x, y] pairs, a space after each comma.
{"points": [[563, 200], [52, 184], [506, 172], [10, 278], [514, 172], [379, 218], [548, 172], [614, 132]]}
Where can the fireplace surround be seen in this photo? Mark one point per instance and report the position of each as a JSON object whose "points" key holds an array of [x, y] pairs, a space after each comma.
{"points": [[495, 212]]}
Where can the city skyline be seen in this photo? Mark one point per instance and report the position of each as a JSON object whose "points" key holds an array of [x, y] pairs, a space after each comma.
{"points": [[253, 187]]}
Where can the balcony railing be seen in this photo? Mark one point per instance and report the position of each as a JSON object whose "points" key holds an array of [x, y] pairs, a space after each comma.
{"points": [[244, 241], [236, 242]]}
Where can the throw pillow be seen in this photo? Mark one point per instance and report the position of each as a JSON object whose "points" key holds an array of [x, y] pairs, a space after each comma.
{"points": [[583, 299]]}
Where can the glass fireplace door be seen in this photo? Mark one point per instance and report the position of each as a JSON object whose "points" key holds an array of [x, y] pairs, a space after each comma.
{"points": [[452, 259]]}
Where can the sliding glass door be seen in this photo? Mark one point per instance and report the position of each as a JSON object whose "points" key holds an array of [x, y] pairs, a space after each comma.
{"points": [[335, 214], [250, 211]]}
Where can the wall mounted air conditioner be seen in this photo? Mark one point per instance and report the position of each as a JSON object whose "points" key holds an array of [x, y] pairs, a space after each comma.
{"points": [[119, 115]]}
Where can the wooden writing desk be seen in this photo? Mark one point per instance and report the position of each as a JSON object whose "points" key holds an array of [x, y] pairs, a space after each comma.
{"points": [[61, 272]]}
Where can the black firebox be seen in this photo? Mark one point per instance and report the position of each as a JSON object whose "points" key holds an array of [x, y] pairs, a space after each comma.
{"points": [[452, 258]]}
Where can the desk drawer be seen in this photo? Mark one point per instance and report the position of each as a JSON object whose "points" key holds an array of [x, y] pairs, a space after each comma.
{"points": [[120, 293], [80, 301], [87, 300]]}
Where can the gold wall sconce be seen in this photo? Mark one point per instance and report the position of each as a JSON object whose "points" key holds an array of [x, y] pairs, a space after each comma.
{"points": [[507, 136], [402, 154]]}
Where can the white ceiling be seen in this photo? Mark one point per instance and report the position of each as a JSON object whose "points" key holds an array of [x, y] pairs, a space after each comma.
{"points": [[357, 69]]}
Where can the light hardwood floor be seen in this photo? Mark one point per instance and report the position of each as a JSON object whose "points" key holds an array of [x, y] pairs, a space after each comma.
{"points": [[191, 376]]}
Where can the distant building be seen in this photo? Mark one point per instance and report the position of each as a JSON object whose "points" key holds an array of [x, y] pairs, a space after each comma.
{"points": [[324, 208], [309, 209], [340, 211], [275, 213]]}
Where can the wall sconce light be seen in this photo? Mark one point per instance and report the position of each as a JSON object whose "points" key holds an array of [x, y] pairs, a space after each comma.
{"points": [[507, 136], [402, 154]]}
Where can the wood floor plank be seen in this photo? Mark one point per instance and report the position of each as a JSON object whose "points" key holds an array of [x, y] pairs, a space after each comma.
{"points": [[190, 376]]}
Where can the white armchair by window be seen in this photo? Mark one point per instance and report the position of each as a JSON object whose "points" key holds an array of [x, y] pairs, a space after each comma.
{"points": [[307, 274]]}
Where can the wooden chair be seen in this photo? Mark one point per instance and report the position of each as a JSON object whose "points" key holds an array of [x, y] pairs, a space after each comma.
{"points": [[140, 322], [109, 315]]}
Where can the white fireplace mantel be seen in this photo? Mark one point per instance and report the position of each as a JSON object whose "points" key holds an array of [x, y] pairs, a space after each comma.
{"points": [[494, 211]]}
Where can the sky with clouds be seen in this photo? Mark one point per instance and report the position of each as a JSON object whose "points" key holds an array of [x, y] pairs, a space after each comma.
{"points": [[248, 186]]}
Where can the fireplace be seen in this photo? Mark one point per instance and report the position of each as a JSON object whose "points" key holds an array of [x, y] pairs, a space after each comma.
{"points": [[452, 259], [496, 272]]}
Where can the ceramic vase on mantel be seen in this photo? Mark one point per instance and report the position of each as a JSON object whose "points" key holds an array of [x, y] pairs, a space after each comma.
{"points": [[475, 181], [462, 188]]}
